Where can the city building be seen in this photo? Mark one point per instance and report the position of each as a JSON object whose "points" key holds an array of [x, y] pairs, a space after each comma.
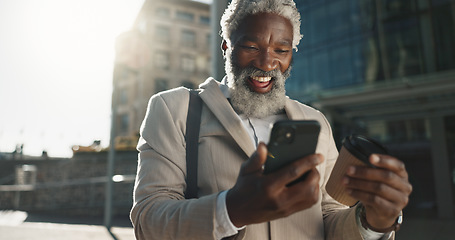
{"points": [[167, 47], [386, 69]]}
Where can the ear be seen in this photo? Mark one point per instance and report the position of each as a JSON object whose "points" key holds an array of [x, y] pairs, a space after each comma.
{"points": [[224, 47]]}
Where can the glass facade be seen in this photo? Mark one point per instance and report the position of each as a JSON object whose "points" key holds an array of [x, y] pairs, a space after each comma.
{"points": [[355, 42]]}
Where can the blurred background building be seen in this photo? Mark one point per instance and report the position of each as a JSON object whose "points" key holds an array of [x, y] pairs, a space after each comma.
{"points": [[167, 47]]}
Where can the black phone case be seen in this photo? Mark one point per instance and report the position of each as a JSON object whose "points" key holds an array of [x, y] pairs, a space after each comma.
{"points": [[291, 140]]}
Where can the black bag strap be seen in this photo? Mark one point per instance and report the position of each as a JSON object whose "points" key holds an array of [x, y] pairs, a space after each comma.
{"points": [[193, 124]]}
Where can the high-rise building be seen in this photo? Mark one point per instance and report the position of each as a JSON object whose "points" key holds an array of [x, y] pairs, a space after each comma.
{"points": [[386, 69], [167, 47]]}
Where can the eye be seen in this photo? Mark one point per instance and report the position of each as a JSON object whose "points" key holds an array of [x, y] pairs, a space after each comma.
{"points": [[249, 47], [282, 51]]}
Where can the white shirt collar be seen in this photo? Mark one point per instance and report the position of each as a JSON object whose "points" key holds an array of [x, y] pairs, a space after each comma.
{"points": [[225, 88]]}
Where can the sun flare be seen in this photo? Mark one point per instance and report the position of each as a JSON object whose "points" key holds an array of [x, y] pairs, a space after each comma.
{"points": [[56, 80]]}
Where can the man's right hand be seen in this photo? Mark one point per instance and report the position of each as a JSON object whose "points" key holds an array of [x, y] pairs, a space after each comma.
{"points": [[258, 198]]}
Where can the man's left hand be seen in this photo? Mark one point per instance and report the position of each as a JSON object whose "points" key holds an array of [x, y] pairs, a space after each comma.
{"points": [[384, 191]]}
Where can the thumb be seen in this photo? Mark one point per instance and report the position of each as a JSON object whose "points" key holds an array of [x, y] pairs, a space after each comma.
{"points": [[256, 161]]}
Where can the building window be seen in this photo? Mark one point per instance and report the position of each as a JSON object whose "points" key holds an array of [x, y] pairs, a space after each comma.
{"points": [[124, 122], [188, 38], [341, 60], [163, 12], [185, 16], [123, 96], [125, 75], [404, 54], [188, 63], [444, 37], [163, 34], [162, 60], [397, 8], [407, 130], [161, 85], [204, 20]]}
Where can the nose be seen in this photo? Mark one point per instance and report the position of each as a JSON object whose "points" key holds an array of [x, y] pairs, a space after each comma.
{"points": [[266, 61]]}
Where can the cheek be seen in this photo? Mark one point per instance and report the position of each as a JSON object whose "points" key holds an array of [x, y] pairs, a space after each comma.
{"points": [[285, 63], [240, 59]]}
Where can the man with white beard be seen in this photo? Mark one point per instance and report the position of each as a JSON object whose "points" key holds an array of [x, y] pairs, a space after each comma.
{"points": [[235, 200]]}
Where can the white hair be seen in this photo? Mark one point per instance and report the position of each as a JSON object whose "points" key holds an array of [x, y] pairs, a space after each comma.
{"points": [[239, 9]]}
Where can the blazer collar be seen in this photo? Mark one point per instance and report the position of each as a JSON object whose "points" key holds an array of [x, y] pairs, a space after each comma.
{"points": [[293, 110], [220, 107]]}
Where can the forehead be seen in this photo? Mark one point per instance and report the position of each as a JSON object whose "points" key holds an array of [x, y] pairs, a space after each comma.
{"points": [[264, 26]]}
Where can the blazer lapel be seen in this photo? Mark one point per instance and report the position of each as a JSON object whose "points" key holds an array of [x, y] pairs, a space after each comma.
{"points": [[293, 111], [220, 107]]}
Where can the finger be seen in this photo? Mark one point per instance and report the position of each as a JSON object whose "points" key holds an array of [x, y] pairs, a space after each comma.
{"points": [[305, 193], [385, 207], [256, 161], [307, 188], [377, 188], [381, 176], [390, 163], [296, 169], [299, 196]]}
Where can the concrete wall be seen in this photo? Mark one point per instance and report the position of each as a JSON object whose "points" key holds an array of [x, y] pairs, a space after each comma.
{"points": [[71, 186]]}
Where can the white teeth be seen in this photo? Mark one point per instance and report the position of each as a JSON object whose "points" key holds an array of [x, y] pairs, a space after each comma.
{"points": [[262, 79]]}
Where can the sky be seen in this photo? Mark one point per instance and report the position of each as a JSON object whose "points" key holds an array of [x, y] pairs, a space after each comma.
{"points": [[56, 65]]}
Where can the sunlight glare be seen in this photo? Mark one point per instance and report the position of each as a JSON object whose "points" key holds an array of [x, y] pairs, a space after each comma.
{"points": [[56, 82]]}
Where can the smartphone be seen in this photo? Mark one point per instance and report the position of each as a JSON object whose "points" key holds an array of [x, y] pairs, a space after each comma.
{"points": [[291, 140]]}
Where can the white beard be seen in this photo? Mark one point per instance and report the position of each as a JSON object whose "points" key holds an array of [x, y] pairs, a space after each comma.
{"points": [[250, 103]]}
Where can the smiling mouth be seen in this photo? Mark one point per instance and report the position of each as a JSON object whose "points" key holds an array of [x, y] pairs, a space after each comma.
{"points": [[262, 79], [260, 83]]}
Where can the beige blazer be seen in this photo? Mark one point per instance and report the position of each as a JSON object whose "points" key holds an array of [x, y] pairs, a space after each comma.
{"points": [[160, 210]]}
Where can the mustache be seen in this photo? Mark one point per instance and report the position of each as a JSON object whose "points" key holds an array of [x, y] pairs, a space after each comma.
{"points": [[256, 72], [252, 71]]}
